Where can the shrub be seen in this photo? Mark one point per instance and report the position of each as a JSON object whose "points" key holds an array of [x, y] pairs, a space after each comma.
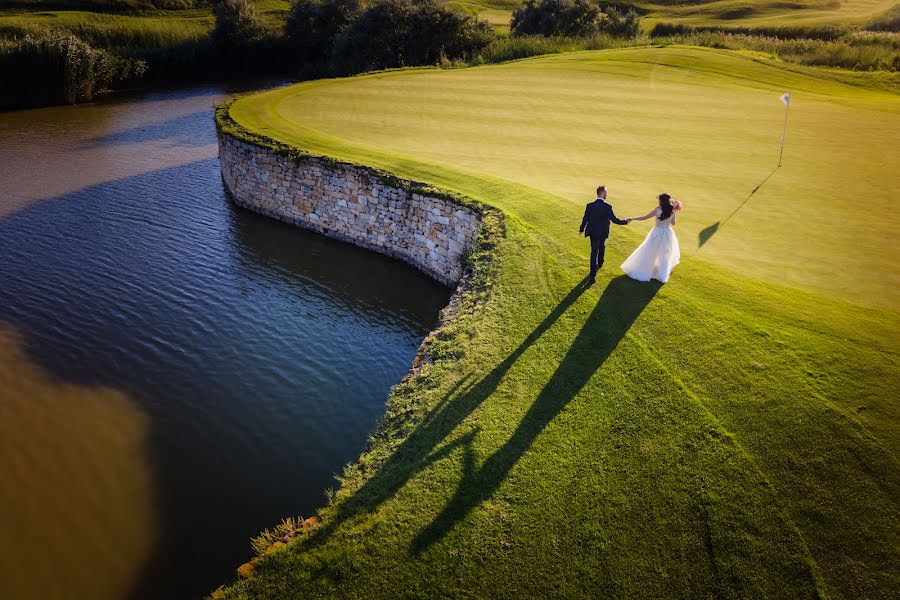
{"points": [[313, 25], [58, 68], [572, 18], [237, 24], [624, 25], [395, 33], [887, 21], [523, 46], [786, 32]]}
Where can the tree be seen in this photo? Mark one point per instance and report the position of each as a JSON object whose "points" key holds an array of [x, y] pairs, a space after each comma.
{"points": [[314, 25], [237, 24], [572, 18]]}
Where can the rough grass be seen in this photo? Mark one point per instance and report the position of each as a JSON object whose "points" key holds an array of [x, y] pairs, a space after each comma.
{"points": [[857, 51], [764, 13], [131, 34], [723, 435], [796, 18]]}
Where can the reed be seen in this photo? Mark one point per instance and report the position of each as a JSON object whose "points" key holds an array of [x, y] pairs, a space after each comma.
{"points": [[57, 68]]}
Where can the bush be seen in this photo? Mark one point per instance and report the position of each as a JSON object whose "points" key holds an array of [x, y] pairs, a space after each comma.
{"points": [[504, 49], [578, 18], [617, 24], [786, 32], [396, 33], [572, 18], [57, 68], [237, 24], [314, 25]]}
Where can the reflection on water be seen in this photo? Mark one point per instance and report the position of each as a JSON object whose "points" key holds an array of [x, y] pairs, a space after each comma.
{"points": [[177, 373], [67, 454]]}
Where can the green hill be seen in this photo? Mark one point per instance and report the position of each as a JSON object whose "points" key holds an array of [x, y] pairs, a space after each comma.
{"points": [[740, 14], [768, 13], [732, 433]]}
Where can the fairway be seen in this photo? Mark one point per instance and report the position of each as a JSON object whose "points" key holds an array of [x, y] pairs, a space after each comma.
{"points": [[768, 13], [704, 126], [725, 13], [732, 433]]}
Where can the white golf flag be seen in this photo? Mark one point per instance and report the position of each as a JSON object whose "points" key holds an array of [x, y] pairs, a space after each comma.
{"points": [[786, 98]]}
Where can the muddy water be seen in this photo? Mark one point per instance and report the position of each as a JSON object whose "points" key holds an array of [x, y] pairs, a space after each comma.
{"points": [[176, 374]]}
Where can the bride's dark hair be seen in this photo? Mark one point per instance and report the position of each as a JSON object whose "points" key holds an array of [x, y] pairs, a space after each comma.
{"points": [[665, 203]]}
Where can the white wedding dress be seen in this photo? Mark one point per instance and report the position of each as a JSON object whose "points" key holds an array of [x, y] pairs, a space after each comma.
{"points": [[657, 255]]}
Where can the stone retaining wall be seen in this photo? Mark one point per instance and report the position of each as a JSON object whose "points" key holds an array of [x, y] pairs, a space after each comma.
{"points": [[352, 203]]}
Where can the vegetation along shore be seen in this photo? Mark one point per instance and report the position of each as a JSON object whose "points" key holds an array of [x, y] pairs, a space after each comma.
{"points": [[65, 51]]}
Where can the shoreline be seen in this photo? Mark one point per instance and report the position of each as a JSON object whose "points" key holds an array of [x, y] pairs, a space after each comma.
{"points": [[470, 290]]}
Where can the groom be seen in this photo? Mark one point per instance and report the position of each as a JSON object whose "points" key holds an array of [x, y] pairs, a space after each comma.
{"points": [[595, 225]]}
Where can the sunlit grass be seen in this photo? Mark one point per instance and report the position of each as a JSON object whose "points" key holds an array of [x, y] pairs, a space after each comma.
{"points": [[727, 434], [130, 32]]}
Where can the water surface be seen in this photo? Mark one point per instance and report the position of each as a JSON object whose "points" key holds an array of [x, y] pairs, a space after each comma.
{"points": [[176, 373]]}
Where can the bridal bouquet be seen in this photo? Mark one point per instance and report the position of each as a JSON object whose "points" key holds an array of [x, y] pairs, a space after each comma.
{"points": [[677, 205]]}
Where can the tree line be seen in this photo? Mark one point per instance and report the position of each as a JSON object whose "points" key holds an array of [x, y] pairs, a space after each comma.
{"points": [[319, 38]]}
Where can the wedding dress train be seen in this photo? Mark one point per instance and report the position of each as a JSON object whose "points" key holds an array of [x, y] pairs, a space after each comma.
{"points": [[657, 255]]}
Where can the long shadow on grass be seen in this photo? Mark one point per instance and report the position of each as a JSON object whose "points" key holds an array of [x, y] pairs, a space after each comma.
{"points": [[710, 231], [417, 451], [621, 303]]}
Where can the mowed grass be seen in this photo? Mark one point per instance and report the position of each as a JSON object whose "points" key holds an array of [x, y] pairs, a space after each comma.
{"points": [[723, 435], [704, 126]]}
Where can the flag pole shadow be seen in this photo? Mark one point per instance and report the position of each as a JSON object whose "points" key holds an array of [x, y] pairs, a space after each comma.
{"points": [[707, 233]]}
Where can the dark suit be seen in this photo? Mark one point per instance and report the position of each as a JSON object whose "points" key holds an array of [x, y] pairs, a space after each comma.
{"points": [[595, 225]]}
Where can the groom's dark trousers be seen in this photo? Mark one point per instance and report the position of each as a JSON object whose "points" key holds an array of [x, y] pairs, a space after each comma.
{"points": [[595, 225], [598, 253]]}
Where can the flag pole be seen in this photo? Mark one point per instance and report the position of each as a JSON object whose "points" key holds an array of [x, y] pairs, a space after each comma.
{"points": [[787, 106]]}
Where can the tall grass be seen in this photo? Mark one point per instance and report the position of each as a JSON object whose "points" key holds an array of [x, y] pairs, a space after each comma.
{"points": [[58, 68], [859, 51], [117, 33], [104, 5], [515, 47], [809, 32]]}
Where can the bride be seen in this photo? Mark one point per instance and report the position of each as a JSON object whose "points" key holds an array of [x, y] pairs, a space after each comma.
{"points": [[659, 253]]}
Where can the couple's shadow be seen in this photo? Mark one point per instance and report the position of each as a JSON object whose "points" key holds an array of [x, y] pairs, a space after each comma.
{"points": [[620, 304]]}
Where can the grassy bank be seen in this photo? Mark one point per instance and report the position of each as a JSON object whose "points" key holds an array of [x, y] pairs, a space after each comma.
{"points": [[811, 16], [732, 433]]}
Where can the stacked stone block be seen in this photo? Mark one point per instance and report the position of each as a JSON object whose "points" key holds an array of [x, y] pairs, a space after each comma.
{"points": [[352, 204]]}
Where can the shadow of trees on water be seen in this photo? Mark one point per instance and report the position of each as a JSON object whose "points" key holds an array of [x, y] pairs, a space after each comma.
{"points": [[619, 306]]}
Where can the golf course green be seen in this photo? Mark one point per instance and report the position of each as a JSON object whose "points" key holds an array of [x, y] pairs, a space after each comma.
{"points": [[732, 433]]}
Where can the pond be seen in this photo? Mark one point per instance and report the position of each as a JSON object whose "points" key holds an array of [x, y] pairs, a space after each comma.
{"points": [[176, 374]]}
